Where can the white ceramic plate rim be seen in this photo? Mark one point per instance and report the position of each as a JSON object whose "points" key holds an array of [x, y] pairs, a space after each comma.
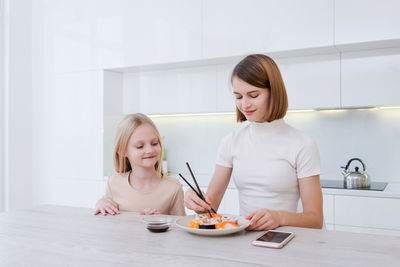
{"points": [[184, 222]]}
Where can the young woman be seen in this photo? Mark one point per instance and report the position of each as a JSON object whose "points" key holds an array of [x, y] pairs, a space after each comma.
{"points": [[272, 164], [139, 183]]}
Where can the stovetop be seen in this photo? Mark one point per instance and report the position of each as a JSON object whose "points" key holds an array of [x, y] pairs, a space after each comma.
{"points": [[338, 184]]}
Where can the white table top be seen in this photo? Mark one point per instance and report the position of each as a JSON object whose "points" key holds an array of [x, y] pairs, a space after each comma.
{"points": [[67, 236]]}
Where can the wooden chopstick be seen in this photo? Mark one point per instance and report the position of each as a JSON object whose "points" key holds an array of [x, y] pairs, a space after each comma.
{"points": [[198, 187], [197, 193]]}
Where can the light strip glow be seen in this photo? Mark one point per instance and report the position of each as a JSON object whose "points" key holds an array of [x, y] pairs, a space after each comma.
{"points": [[392, 107], [300, 110], [191, 114], [289, 111], [331, 110], [358, 109]]}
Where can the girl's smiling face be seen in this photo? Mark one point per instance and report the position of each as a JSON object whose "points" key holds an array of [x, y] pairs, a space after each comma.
{"points": [[252, 101], [144, 149]]}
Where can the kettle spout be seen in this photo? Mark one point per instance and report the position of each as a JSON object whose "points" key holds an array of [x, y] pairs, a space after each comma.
{"points": [[344, 172]]}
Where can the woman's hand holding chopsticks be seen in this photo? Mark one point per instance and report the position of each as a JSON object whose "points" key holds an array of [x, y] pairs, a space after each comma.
{"points": [[194, 202]]}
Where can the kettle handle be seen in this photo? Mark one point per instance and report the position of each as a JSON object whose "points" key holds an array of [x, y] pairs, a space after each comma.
{"points": [[348, 163]]}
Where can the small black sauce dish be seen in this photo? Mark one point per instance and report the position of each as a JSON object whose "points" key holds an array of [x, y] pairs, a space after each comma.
{"points": [[157, 223], [157, 228]]}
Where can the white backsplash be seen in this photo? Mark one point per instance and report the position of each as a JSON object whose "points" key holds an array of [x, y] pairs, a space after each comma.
{"points": [[372, 135]]}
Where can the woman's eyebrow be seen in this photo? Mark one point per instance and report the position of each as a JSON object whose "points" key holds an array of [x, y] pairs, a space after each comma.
{"points": [[254, 91]]}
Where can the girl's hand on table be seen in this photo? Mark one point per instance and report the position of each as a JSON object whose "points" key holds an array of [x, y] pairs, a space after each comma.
{"points": [[193, 202], [263, 219], [106, 206], [149, 211]]}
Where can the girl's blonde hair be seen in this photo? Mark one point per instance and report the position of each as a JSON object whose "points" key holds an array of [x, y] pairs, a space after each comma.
{"points": [[124, 131]]}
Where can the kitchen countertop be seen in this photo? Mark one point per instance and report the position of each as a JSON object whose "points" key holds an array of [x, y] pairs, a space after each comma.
{"points": [[68, 236], [392, 190]]}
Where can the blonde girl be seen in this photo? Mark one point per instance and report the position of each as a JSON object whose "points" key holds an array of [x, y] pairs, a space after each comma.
{"points": [[139, 183]]}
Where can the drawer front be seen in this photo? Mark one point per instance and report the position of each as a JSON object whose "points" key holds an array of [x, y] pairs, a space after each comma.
{"points": [[374, 231], [367, 212]]}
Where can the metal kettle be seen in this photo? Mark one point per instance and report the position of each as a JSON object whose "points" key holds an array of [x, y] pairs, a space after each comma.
{"points": [[355, 179]]}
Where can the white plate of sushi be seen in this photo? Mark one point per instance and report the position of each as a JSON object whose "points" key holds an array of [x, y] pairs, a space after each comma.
{"points": [[184, 224]]}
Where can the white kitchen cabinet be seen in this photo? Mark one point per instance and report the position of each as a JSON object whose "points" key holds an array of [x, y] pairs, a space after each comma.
{"points": [[367, 212], [376, 231], [362, 214], [312, 82], [95, 34], [364, 21], [171, 91], [371, 78], [73, 115], [158, 31], [225, 97], [68, 139], [241, 27], [328, 210]]}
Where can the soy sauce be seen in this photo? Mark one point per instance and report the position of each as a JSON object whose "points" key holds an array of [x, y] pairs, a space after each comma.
{"points": [[158, 228]]}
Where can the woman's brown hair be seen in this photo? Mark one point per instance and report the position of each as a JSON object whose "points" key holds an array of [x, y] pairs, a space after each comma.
{"points": [[261, 71], [124, 131]]}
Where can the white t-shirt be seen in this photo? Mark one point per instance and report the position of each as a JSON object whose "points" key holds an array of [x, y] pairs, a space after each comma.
{"points": [[267, 159]]}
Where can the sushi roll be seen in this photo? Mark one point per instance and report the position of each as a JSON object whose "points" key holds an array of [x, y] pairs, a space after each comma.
{"points": [[215, 221], [207, 226]]}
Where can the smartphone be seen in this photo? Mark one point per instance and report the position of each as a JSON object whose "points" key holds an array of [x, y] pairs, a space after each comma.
{"points": [[273, 239]]}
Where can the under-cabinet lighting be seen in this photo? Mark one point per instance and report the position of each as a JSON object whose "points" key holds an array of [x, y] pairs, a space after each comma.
{"points": [[347, 109], [191, 114], [331, 110], [289, 111], [392, 107], [360, 109], [300, 110]]}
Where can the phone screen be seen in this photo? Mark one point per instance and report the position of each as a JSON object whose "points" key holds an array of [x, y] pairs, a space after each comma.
{"points": [[275, 237]]}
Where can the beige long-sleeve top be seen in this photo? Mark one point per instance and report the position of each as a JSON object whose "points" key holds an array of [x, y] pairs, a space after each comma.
{"points": [[167, 197]]}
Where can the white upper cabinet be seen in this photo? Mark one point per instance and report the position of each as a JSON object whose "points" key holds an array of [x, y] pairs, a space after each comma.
{"points": [[159, 31], [364, 21], [236, 27], [171, 91], [371, 78], [93, 34], [225, 97], [312, 82]]}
